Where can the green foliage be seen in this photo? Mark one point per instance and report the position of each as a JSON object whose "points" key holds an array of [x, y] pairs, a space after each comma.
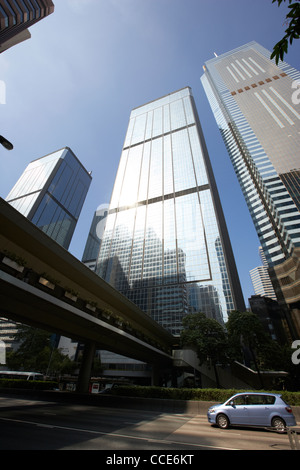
{"points": [[18, 259], [292, 398], [292, 31], [198, 394], [37, 353], [28, 384], [206, 336], [243, 339], [245, 330]]}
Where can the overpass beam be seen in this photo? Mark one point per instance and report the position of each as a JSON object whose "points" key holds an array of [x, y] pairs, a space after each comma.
{"points": [[86, 367]]}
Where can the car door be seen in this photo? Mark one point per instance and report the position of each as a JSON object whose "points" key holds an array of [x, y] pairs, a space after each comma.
{"points": [[238, 410], [258, 410]]}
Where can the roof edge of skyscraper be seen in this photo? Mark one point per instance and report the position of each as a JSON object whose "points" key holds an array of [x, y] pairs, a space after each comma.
{"points": [[70, 150], [53, 151], [163, 96], [59, 150], [232, 51]]}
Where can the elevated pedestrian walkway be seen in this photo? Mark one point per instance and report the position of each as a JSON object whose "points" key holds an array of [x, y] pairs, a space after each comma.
{"points": [[235, 375]]}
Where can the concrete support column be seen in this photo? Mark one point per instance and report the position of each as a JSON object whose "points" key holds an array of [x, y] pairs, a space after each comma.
{"points": [[155, 375], [86, 367]]}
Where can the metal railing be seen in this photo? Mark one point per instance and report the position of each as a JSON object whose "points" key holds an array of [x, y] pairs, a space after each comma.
{"points": [[293, 434]]}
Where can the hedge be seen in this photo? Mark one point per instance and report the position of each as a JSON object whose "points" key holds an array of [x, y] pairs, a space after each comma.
{"points": [[200, 394], [28, 384]]}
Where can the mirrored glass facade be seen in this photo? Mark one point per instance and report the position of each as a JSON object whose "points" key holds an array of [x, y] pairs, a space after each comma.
{"points": [[165, 244], [93, 242], [51, 192], [252, 101]]}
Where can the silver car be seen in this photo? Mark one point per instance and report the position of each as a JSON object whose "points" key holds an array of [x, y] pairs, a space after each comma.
{"points": [[253, 409]]}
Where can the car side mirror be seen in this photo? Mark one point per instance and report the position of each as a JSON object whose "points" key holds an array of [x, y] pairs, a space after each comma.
{"points": [[231, 403]]}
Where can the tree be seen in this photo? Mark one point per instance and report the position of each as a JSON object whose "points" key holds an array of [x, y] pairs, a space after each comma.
{"points": [[247, 337], [32, 342], [37, 353], [292, 31], [245, 331], [207, 337]]}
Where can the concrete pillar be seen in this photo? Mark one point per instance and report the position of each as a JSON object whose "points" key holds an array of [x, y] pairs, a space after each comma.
{"points": [[86, 367], [155, 377]]}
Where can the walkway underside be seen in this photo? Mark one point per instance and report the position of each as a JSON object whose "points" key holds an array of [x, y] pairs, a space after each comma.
{"points": [[114, 323], [27, 304]]}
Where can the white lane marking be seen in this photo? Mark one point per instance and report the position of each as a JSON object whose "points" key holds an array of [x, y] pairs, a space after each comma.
{"points": [[67, 428]]}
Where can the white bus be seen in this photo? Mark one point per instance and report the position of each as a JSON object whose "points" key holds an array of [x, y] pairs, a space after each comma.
{"points": [[11, 374]]}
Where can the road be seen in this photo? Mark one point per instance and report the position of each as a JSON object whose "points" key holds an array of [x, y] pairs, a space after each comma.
{"points": [[44, 425]]}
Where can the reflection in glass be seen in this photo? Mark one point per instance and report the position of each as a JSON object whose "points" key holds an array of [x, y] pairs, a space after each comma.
{"points": [[163, 243]]}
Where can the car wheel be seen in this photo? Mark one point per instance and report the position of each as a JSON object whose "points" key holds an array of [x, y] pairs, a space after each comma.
{"points": [[279, 424], [222, 421]]}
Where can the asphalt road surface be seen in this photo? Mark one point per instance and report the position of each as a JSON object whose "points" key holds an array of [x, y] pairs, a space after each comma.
{"points": [[43, 425]]}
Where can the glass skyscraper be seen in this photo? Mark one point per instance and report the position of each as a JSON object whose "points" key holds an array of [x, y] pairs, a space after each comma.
{"points": [[261, 279], [51, 192], [253, 102], [165, 244]]}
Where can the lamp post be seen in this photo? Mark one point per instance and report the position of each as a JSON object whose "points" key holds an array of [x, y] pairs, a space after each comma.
{"points": [[8, 145]]}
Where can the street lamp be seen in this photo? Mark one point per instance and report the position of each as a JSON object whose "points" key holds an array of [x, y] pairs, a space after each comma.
{"points": [[6, 143]]}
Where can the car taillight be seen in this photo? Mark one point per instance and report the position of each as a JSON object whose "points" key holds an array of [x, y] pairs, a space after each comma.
{"points": [[288, 409]]}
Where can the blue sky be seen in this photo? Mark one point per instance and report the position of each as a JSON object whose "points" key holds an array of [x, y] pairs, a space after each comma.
{"points": [[87, 65]]}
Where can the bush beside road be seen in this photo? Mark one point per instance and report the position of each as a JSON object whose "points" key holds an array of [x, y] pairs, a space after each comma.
{"points": [[168, 404]]}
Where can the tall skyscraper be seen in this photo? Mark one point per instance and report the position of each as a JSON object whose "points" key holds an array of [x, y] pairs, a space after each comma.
{"points": [[261, 280], [253, 102], [165, 244], [17, 16], [51, 192], [262, 283]]}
